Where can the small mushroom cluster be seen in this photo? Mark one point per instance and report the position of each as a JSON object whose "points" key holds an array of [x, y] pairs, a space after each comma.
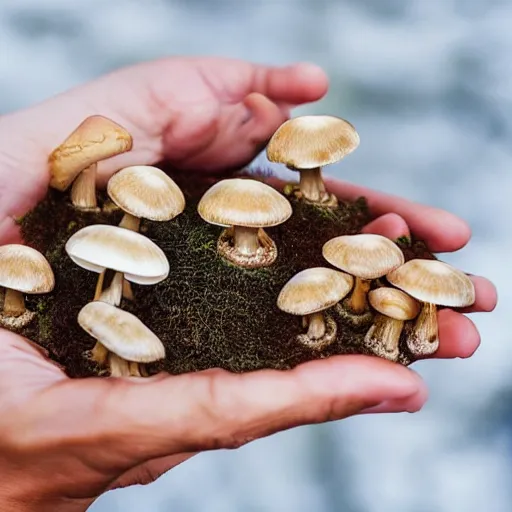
{"points": [[417, 287], [121, 255]]}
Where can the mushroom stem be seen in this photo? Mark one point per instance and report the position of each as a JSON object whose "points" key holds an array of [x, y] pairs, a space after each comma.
{"points": [[83, 191], [312, 185], [384, 336], [424, 338], [130, 222], [114, 293], [99, 354], [99, 285], [246, 240], [357, 301], [119, 367], [128, 291], [14, 303], [316, 325]]}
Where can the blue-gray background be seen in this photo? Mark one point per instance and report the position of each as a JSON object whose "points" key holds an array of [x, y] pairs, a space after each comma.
{"points": [[428, 83]]}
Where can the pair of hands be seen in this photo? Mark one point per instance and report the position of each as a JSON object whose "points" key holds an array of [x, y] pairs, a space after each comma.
{"points": [[64, 442]]}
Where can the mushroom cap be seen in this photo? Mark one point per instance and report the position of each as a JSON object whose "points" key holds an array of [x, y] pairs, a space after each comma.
{"points": [[313, 290], [307, 142], [100, 246], [146, 192], [244, 202], [394, 303], [24, 269], [434, 282], [95, 139], [366, 256], [121, 332]]}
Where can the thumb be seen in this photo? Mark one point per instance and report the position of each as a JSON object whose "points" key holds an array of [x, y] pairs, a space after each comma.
{"points": [[265, 118], [216, 409]]}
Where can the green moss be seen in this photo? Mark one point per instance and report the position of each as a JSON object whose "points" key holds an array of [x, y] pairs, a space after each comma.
{"points": [[208, 313]]}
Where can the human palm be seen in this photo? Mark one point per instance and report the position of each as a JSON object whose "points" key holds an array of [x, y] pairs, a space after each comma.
{"points": [[64, 442]]}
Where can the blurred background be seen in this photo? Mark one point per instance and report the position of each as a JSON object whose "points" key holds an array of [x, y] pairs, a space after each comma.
{"points": [[428, 84]]}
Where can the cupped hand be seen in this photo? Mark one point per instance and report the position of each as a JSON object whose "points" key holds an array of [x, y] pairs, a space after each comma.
{"points": [[64, 442]]}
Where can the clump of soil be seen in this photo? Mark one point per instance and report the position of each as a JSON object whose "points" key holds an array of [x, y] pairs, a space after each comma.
{"points": [[208, 313]]}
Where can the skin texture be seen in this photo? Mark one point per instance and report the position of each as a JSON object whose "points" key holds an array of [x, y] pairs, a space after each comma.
{"points": [[98, 434]]}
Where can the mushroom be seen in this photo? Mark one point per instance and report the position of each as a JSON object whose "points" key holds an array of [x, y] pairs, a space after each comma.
{"points": [[394, 307], [435, 284], [131, 255], [145, 192], [306, 144], [309, 293], [126, 339], [23, 270], [97, 138], [245, 207], [365, 256]]}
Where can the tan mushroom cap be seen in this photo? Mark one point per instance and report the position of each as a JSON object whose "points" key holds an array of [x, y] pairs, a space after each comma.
{"points": [[308, 142], [314, 290], [366, 256], [25, 270], [100, 246], [146, 192], [434, 282], [394, 303], [121, 332], [95, 139], [244, 202]]}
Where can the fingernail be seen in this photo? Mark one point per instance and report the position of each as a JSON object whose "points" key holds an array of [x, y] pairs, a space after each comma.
{"points": [[411, 404]]}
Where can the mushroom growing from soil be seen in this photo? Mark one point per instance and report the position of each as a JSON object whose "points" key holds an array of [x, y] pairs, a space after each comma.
{"points": [[366, 257], [23, 270], [245, 207], [306, 144], [145, 192], [435, 284], [75, 160], [127, 341], [309, 294], [393, 307], [131, 255]]}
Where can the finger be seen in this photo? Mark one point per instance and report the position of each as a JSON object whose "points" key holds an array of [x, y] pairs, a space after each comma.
{"points": [[390, 225], [292, 85], [486, 296], [441, 231], [196, 412], [458, 335], [265, 118], [148, 472]]}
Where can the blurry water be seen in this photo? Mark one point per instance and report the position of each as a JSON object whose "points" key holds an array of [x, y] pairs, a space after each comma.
{"points": [[428, 84]]}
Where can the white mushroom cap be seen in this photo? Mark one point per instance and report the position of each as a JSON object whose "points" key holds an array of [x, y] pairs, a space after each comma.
{"points": [[314, 290], [366, 256], [146, 192], [96, 138], [121, 332], [101, 247], [434, 282], [307, 142], [394, 303], [24, 269], [244, 202]]}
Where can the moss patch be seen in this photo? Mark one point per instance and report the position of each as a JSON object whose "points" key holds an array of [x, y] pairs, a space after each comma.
{"points": [[208, 313]]}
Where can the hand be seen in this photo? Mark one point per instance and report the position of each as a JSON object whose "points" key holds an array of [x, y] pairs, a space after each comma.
{"points": [[64, 442]]}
